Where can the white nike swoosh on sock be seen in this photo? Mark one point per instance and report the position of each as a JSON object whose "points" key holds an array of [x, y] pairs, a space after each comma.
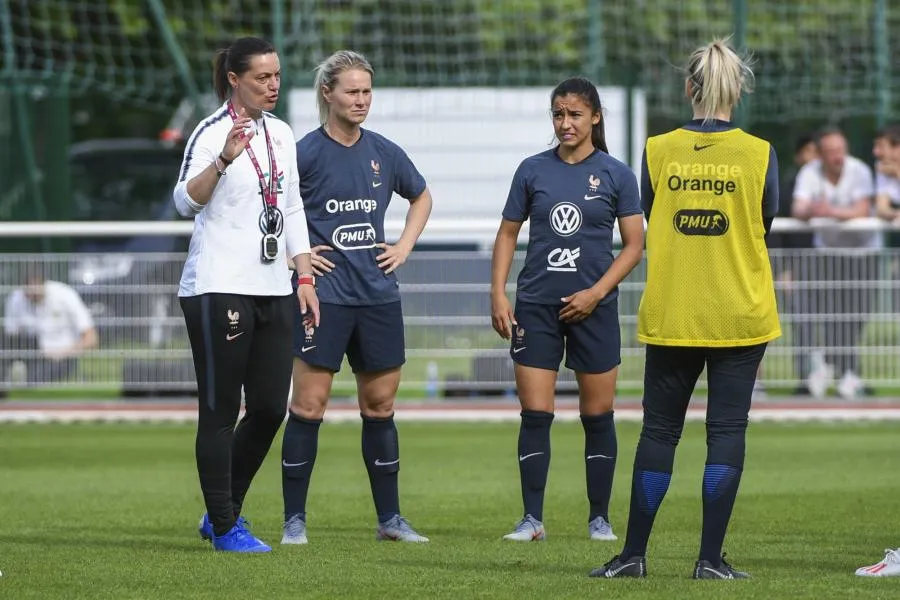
{"points": [[521, 458]]}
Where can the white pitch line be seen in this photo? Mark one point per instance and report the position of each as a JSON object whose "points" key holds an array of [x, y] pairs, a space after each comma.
{"points": [[340, 415]]}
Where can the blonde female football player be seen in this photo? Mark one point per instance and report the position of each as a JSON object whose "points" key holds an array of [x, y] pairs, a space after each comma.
{"points": [[348, 175], [710, 193]]}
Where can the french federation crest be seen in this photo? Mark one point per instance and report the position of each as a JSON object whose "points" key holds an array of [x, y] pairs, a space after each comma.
{"points": [[376, 173]]}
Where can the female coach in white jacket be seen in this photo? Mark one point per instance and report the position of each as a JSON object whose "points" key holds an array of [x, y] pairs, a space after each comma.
{"points": [[239, 179]]}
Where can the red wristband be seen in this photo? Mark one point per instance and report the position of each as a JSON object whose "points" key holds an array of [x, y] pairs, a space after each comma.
{"points": [[306, 280]]}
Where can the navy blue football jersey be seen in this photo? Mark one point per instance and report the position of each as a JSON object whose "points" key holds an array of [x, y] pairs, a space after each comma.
{"points": [[346, 192], [572, 210]]}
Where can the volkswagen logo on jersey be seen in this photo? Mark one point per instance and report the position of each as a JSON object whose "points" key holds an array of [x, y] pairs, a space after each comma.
{"points": [[277, 221], [358, 236], [565, 219]]}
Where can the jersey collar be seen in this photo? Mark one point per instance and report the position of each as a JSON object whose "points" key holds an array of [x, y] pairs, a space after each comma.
{"points": [[711, 126], [362, 133], [585, 159]]}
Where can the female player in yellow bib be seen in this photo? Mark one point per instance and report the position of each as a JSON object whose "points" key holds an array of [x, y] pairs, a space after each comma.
{"points": [[709, 192]]}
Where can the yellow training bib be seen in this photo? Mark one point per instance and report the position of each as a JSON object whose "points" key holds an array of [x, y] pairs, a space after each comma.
{"points": [[709, 281]]}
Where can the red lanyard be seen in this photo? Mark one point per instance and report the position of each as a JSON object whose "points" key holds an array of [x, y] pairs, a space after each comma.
{"points": [[270, 190]]}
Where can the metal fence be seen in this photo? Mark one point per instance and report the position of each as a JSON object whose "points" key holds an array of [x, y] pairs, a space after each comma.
{"points": [[836, 306]]}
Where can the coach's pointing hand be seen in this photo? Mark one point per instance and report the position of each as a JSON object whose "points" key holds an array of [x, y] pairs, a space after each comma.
{"points": [[238, 137]]}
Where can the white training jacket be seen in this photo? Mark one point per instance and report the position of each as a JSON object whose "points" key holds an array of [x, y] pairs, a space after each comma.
{"points": [[224, 254]]}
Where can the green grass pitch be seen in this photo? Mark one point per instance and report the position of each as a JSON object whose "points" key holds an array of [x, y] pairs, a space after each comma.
{"points": [[110, 511]]}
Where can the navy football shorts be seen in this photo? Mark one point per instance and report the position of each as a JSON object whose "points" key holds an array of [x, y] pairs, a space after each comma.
{"points": [[370, 336], [591, 346]]}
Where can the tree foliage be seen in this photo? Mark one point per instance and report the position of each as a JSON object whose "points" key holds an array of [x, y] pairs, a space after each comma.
{"points": [[811, 55]]}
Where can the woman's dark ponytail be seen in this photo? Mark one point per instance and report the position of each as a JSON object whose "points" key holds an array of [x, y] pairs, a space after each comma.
{"points": [[220, 75]]}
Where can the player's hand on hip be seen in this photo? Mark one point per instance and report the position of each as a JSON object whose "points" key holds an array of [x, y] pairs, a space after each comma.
{"points": [[309, 303], [502, 317], [238, 137], [320, 264], [392, 256], [579, 305]]}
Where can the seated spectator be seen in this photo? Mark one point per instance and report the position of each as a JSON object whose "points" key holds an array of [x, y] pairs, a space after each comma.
{"points": [[46, 328]]}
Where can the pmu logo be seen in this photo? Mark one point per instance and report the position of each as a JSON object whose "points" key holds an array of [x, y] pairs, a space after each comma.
{"points": [[565, 219], [358, 236], [698, 221]]}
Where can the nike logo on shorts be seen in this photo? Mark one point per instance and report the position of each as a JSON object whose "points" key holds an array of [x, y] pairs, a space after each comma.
{"points": [[229, 337], [306, 348], [517, 350]]}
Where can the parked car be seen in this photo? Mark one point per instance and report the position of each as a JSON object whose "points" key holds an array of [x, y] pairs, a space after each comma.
{"points": [[132, 297]]}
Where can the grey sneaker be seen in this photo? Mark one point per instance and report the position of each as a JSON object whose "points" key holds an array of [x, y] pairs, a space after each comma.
{"points": [[398, 529], [705, 570], [636, 566], [294, 531], [600, 529], [528, 529]]}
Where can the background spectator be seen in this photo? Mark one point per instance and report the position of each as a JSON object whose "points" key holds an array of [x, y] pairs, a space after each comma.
{"points": [[837, 186], [46, 328]]}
